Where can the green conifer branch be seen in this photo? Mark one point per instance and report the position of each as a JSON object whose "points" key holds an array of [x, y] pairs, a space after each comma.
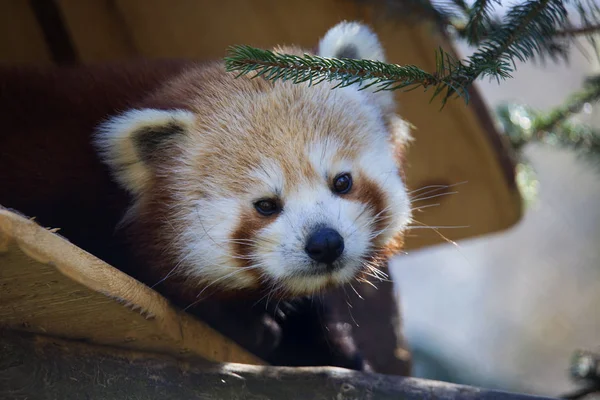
{"points": [[524, 125], [367, 73], [526, 33], [462, 6], [532, 29], [480, 20], [549, 121], [582, 30]]}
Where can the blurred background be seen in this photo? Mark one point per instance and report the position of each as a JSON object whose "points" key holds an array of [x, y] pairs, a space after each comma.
{"points": [[504, 305], [507, 310]]}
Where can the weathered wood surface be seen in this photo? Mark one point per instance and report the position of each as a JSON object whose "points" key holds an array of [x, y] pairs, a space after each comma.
{"points": [[35, 367], [48, 285]]}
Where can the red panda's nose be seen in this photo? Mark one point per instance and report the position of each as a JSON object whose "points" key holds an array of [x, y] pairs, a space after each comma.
{"points": [[325, 245]]}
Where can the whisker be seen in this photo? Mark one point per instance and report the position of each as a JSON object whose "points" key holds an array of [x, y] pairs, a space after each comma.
{"points": [[433, 196], [368, 282], [370, 222], [359, 296], [410, 227], [437, 187], [376, 277], [452, 242], [168, 274], [376, 270], [350, 307], [238, 270], [419, 208]]}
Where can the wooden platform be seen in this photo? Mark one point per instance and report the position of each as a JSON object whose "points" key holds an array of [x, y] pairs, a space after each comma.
{"points": [[51, 287], [36, 367]]}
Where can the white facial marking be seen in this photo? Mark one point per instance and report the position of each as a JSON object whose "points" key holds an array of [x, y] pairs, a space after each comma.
{"points": [[205, 244], [116, 145], [315, 125]]}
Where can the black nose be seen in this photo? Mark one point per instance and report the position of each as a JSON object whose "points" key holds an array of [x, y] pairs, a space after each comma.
{"points": [[325, 245]]}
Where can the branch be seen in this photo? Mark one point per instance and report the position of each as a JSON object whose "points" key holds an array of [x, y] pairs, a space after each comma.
{"points": [[525, 34], [583, 30], [480, 19], [315, 69], [572, 105], [37, 367], [523, 125]]}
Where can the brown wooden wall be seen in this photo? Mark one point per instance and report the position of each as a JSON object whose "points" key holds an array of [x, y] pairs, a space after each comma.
{"points": [[453, 145]]}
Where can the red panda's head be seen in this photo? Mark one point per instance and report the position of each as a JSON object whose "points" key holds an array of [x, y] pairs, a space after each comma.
{"points": [[246, 183]]}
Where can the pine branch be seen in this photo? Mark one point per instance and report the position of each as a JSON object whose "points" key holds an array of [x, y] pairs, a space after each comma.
{"points": [[462, 6], [314, 69], [582, 30], [479, 21], [589, 14], [530, 30], [524, 125], [527, 33], [590, 93]]}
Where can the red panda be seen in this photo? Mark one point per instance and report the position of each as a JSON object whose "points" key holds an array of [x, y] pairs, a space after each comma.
{"points": [[218, 191]]}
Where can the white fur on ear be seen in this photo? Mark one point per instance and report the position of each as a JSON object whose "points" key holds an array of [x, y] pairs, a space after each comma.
{"points": [[119, 142], [400, 130], [351, 40], [357, 41]]}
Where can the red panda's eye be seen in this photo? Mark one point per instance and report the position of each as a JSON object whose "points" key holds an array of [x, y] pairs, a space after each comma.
{"points": [[342, 183], [267, 206]]}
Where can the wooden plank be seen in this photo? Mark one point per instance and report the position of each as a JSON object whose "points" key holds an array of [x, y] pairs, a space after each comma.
{"points": [[97, 30], [36, 367], [21, 38], [48, 285], [193, 29]]}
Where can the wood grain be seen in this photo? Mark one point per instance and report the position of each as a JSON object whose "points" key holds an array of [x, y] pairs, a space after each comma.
{"points": [[37, 367], [48, 285], [21, 38]]}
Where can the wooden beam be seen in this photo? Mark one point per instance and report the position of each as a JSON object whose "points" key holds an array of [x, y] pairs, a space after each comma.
{"points": [[50, 286], [37, 367]]}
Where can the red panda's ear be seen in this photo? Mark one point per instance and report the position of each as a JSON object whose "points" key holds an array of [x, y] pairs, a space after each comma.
{"points": [[129, 143], [357, 41]]}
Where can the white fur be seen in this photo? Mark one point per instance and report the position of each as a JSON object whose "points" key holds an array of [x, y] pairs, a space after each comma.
{"points": [[271, 178], [206, 213], [205, 244], [307, 205], [354, 34], [306, 208], [367, 46], [279, 250], [116, 146]]}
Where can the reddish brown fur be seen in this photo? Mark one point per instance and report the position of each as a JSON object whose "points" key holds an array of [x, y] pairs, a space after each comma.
{"points": [[250, 223], [49, 169], [46, 153]]}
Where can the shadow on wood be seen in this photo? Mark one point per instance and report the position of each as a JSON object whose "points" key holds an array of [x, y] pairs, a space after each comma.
{"points": [[36, 367]]}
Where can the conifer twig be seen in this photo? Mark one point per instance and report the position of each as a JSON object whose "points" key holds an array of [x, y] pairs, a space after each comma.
{"points": [[479, 21], [553, 127], [526, 33], [367, 73], [582, 30], [572, 105], [531, 29]]}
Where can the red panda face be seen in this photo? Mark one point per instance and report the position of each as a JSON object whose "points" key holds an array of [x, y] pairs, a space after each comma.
{"points": [[277, 186]]}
